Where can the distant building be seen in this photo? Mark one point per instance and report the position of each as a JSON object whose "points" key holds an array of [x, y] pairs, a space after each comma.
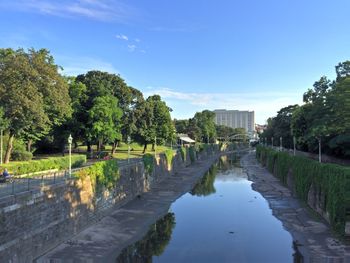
{"points": [[236, 119]]}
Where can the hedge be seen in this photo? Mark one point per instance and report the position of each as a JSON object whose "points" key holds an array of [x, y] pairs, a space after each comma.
{"points": [[148, 161], [103, 174], [169, 155], [61, 163], [331, 179]]}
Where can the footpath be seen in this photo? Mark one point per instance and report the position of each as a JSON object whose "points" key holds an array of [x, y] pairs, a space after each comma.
{"points": [[104, 241], [313, 240]]}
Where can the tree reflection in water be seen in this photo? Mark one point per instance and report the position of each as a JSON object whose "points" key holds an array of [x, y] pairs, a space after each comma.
{"points": [[153, 244], [205, 186]]}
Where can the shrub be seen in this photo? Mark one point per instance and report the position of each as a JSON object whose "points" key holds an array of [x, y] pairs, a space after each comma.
{"points": [[183, 152], [21, 156], [192, 153], [330, 179], [103, 174], [148, 161], [60, 163], [169, 154]]}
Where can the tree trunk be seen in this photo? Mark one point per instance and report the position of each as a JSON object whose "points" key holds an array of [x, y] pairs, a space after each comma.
{"points": [[152, 146], [29, 145], [88, 147], [145, 147], [9, 148], [99, 146], [114, 148]]}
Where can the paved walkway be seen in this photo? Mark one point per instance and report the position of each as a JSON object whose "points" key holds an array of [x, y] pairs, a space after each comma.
{"points": [[311, 235], [104, 241]]}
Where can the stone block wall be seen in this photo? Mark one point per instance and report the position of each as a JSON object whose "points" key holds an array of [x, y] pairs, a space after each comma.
{"points": [[33, 222]]}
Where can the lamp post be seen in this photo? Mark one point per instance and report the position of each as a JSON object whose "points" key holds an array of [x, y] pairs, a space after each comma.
{"points": [[1, 133], [281, 144], [294, 142], [129, 140], [155, 146], [70, 140], [319, 150]]}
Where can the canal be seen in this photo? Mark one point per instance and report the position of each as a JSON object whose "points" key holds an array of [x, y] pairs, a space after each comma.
{"points": [[221, 220]]}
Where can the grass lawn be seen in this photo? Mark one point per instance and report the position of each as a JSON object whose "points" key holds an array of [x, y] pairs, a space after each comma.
{"points": [[122, 150]]}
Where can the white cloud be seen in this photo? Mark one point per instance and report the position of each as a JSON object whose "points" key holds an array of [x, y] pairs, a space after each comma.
{"points": [[265, 104], [73, 66], [132, 48], [103, 10], [122, 37]]}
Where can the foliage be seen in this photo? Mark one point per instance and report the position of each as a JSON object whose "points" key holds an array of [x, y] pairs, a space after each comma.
{"points": [[103, 174], [153, 244], [205, 186], [18, 155], [169, 154], [183, 152], [35, 95], [192, 153], [148, 161], [331, 180], [60, 163]]}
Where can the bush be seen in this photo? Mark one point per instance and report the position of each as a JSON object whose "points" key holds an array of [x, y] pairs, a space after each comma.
{"points": [[332, 180], [183, 152], [148, 161], [103, 174], [21, 156], [192, 153], [60, 163], [169, 154]]}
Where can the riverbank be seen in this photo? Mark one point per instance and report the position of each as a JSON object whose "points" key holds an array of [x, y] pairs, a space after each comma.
{"points": [[312, 236], [103, 241]]}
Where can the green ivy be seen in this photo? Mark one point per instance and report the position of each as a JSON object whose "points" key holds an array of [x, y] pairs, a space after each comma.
{"points": [[183, 152], [148, 161], [103, 174], [169, 155], [332, 180], [192, 153], [49, 163]]}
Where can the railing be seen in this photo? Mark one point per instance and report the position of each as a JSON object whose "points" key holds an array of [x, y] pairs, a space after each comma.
{"points": [[29, 183]]}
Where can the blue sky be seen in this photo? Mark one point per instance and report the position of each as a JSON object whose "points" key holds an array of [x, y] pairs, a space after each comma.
{"points": [[246, 55]]}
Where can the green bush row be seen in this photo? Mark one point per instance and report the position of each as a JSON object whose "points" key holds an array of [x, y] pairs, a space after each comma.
{"points": [[61, 163], [148, 161], [169, 155], [330, 179], [103, 174]]}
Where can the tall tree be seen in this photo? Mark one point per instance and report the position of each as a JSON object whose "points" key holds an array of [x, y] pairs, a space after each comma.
{"points": [[34, 94]]}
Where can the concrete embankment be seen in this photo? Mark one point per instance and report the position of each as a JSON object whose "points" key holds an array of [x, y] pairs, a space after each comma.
{"points": [[103, 241], [312, 237]]}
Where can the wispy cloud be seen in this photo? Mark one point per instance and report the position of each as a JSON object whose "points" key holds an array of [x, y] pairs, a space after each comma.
{"points": [[103, 10], [132, 48], [265, 104], [73, 66], [122, 37]]}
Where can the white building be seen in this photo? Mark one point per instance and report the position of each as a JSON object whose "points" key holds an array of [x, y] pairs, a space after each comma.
{"points": [[236, 119]]}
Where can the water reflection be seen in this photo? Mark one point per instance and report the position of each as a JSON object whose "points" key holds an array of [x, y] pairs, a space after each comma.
{"points": [[221, 220], [153, 244], [205, 186]]}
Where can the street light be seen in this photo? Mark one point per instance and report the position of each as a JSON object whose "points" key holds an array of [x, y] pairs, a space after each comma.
{"points": [[155, 146], [294, 142], [281, 143], [70, 140], [129, 140], [319, 150], [1, 133]]}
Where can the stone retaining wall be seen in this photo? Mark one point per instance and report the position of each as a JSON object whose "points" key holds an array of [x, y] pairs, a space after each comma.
{"points": [[33, 222]]}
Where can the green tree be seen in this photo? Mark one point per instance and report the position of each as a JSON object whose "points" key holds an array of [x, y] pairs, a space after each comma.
{"points": [[104, 119], [34, 94]]}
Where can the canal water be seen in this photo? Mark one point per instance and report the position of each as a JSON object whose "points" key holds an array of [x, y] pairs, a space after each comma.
{"points": [[221, 220]]}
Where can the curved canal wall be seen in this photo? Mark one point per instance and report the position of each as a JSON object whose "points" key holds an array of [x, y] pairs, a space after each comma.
{"points": [[34, 222]]}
